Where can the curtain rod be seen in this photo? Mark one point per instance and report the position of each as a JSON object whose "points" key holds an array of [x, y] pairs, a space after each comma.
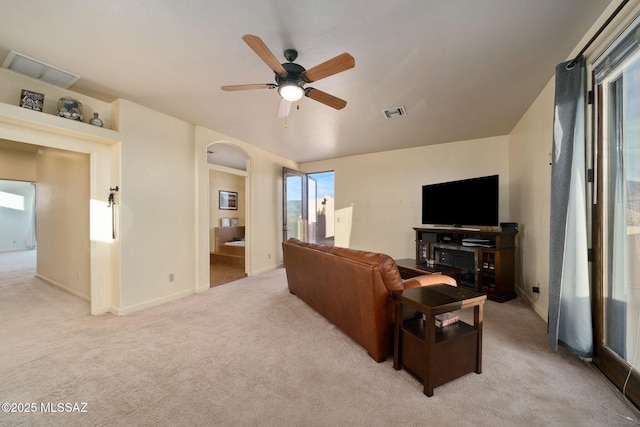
{"points": [[575, 60]]}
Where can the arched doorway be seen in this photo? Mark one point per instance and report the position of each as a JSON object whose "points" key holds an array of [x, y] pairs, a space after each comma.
{"points": [[228, 228]]}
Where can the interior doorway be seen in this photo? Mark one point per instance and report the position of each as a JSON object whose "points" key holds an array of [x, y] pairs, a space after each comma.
{"points": [[71, 170], [18, 255], [59, 207], [17, 215], [228, 243]]}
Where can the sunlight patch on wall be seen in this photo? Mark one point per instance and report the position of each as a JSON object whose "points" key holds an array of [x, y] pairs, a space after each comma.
{"points": [[11, 201], [101, 228], [343, 226]]}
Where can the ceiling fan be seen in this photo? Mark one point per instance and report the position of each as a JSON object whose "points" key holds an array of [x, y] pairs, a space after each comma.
{"points": [[290, 77]]}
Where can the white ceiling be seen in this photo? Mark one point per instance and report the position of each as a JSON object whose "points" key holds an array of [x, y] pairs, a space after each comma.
{"points": [[463, 69]]}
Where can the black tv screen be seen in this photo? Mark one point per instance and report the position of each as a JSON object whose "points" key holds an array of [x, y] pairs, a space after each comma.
{"points": [[466, 202]]}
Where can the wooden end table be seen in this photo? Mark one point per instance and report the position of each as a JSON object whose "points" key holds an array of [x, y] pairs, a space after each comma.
{"points": [[409, 268], [437, 355]]}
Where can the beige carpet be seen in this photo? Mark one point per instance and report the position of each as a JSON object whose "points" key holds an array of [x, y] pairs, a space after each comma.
{"points": [[249, 353]]}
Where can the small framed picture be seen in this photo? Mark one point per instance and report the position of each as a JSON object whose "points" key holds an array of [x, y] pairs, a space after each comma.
{"points": [[31, 100], [228, 200]]}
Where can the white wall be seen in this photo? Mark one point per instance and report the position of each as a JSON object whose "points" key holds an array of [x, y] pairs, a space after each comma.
{"points": [[381, 193], [62, 211], [17, 165], [530, 148], [157, 207], [227, 182]]}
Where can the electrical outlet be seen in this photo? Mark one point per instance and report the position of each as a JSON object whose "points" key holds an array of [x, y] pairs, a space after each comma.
{"points": [[536, 289], [172, 277]]}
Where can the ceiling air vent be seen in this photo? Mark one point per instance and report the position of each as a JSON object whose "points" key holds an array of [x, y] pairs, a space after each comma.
{"points": [[39, 70], [395, 112]]}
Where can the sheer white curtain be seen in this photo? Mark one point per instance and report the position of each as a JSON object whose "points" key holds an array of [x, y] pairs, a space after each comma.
{"points": [[569, 287]]}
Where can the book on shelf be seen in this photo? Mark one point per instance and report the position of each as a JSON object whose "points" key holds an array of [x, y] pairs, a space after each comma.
{"points": [[446, 319]]}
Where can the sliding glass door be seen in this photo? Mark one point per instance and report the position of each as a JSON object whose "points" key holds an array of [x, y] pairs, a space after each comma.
{"points": [[617, 214]]}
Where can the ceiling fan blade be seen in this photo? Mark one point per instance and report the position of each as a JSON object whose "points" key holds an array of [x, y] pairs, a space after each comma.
{"points": [[284, 108], [264, 53], [249, 87], [325, 98], [328, 68]]}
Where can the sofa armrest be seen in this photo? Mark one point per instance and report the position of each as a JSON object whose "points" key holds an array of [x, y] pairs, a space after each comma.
{"points": [[429, 279]]}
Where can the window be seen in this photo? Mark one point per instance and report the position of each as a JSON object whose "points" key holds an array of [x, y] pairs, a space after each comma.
{"points": [[11, 201]]}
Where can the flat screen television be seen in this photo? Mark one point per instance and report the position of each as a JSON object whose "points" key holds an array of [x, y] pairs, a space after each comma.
{"points": [[468, 202]]}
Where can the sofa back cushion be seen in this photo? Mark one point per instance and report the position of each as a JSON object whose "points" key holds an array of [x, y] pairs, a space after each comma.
{"points": [[384, 263]]}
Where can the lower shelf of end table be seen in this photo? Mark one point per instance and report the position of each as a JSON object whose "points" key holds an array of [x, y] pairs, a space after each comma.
{"points": [[454, 351], [432, 354]]}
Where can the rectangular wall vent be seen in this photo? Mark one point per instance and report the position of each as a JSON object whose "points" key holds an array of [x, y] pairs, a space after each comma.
{"points": [[395, 112], [39, 70]]}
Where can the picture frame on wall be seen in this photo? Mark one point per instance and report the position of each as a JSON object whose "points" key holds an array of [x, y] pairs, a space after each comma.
{"points": [[31, 100], [228, 200]]}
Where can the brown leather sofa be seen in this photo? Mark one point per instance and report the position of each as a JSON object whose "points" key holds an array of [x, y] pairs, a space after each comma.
{"points": [[351, 289]]}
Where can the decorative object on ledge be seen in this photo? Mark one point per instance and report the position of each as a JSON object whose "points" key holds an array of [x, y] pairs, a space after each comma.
{"points": [[31, 100], [70, 108], [228, 200], [95, 120]]}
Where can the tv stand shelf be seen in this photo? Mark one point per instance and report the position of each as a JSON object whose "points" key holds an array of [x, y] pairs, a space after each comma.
{"points": [[486, 258]]}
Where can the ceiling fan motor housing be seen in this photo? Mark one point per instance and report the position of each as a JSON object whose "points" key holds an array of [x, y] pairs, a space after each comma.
{"points": [[294, 72]]}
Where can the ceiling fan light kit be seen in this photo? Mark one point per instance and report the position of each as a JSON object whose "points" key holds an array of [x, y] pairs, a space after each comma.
{"points": [[291, 92], [291, 78]]}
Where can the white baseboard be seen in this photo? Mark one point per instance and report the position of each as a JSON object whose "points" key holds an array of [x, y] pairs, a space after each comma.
{"points": [[103, 310], [64, 288], [267, 269], [203, 288], [152, 303]]}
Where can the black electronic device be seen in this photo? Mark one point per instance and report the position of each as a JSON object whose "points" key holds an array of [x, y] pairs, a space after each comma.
{"points": [[509, 227], [468, 202]]}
